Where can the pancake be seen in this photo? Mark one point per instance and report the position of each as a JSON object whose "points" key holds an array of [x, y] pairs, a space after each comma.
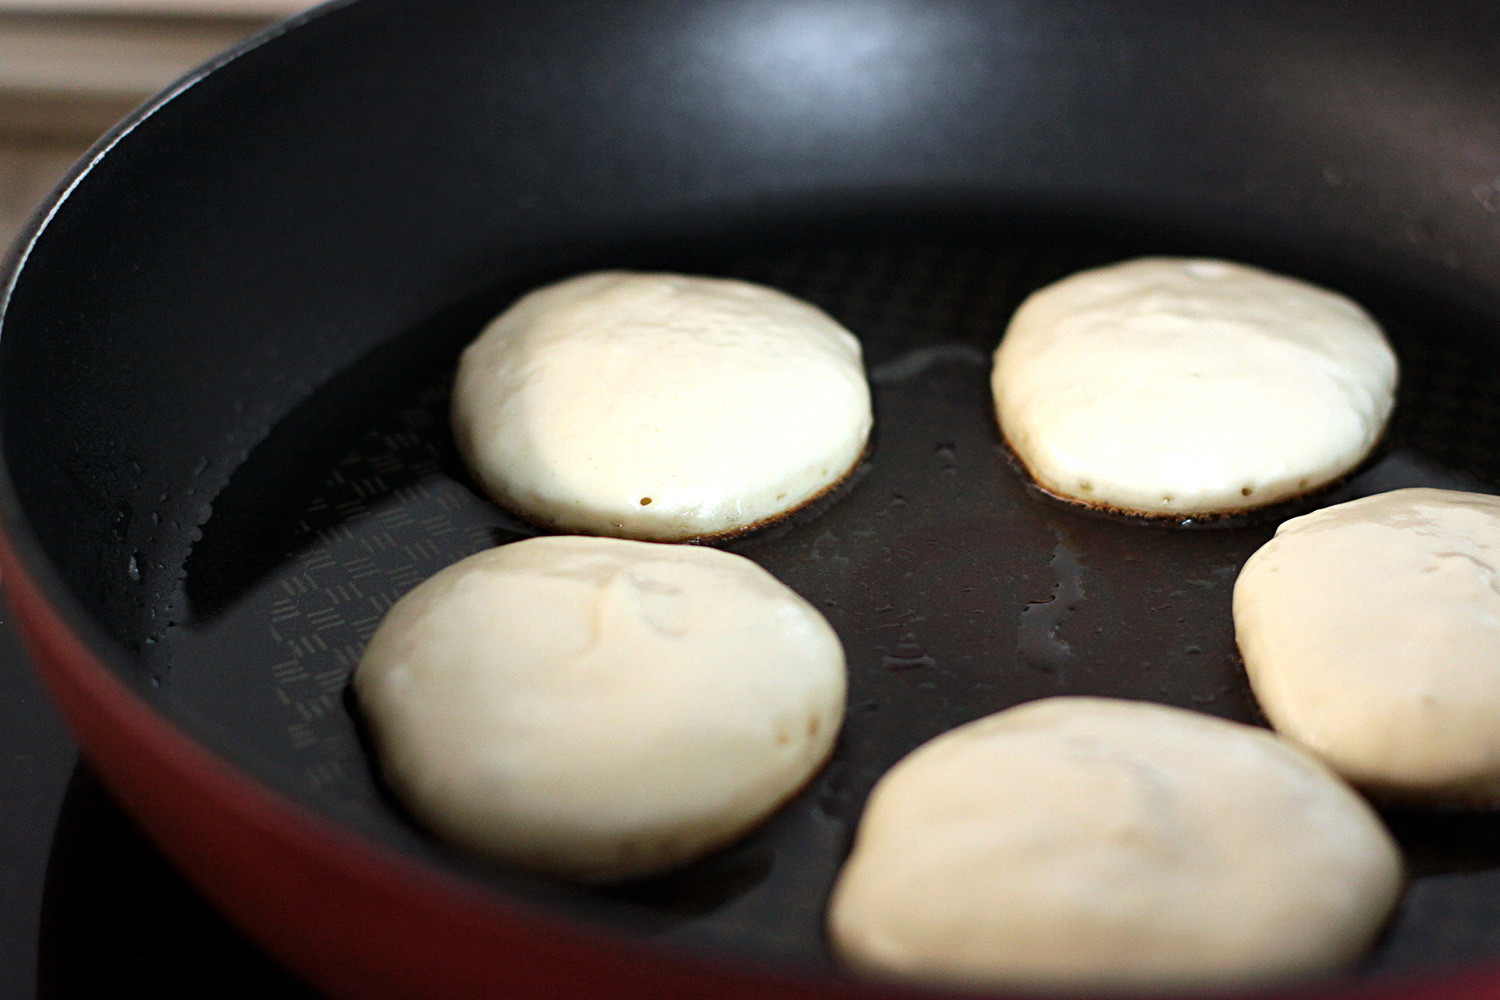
{"points": [[1371, 635], [660, 407], [598, 708], [1095, 844], [1185, 388]]}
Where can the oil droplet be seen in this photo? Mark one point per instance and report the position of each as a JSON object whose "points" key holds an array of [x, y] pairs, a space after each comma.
{"points": [[133, 568], [120, 522], [1037, 640], [907, 662], [923, 359]]}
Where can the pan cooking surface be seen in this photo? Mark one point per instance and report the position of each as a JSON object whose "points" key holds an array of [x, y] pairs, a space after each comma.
{"points": [[957, 588]]}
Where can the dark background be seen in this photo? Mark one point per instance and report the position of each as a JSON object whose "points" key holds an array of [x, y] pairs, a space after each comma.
{"points": [[88, 908]]}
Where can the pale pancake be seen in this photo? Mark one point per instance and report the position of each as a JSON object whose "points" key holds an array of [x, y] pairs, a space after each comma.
{"points": [[599, 708], [659, 406], [1371, 635], [1190, 387], [1094, 844]]}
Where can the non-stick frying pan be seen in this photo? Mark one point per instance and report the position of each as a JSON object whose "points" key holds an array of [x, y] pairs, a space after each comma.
{"points": [[223, 374]]}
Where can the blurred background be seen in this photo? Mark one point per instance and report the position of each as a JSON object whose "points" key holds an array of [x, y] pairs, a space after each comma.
{"points": [[69, 69]]}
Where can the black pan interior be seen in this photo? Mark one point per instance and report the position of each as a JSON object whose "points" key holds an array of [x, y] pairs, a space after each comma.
{"points": [[223, 367]]}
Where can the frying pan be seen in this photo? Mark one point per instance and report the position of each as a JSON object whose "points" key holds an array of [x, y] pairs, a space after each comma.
{"points": [[225, 347]]}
